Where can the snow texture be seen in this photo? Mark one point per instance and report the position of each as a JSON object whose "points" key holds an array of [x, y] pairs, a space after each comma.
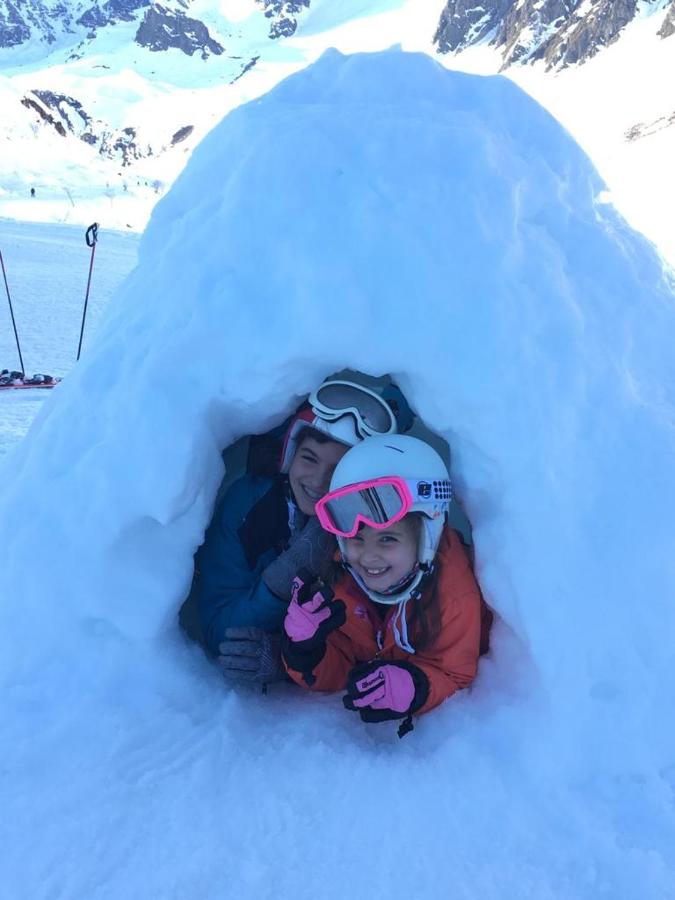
{"points": [[47, 268], [382, 213]]}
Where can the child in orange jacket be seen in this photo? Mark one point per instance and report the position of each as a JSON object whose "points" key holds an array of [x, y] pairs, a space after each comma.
{"points": [[401, 628]]}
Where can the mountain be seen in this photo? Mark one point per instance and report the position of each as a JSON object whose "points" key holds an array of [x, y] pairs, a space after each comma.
{"points": [[104, 100], [127, 80], [159, 26], [559, 32]]}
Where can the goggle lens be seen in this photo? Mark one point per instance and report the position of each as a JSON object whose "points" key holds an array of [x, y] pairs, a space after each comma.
{"points": [[378, 503], [338, 399], [374, 506]]}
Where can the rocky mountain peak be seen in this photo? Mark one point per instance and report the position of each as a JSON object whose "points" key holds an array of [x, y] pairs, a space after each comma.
{"points": [[283, 15], [100, 15], [559, 32], [163, 28], [668, 27]]}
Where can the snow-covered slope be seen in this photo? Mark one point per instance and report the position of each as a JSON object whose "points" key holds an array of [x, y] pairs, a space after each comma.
{"points": [[471, 259], [100, 124], [621, 107], [47, 268]]}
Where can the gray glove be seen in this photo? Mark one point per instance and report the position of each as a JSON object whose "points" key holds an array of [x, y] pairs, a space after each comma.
{"points": [[312, 548], [252, 655]]}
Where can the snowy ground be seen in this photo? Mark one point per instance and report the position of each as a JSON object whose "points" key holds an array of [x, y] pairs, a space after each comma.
{"points": [[626, 85], [450, 233], [47, 268]]}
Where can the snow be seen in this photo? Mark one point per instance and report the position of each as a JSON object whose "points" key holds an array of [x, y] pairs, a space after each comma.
{"points": [[47, 268], [379, 212], [157, 94], [600, 101]]}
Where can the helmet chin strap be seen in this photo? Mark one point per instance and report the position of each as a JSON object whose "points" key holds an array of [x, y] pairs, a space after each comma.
{"points": [[412, 589], [399, 623], [412, 583]]}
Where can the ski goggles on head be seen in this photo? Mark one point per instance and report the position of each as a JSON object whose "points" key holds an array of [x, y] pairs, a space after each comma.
{"points": [[372, 413], [378, 502]]}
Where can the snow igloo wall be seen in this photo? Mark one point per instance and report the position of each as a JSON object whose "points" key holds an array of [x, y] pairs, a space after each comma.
{"points": [[380, 213]]}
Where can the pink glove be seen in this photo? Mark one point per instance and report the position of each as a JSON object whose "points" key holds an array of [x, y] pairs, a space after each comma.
{"points": [[312, 614], [388, 687], [302, 620], [381, 691]]}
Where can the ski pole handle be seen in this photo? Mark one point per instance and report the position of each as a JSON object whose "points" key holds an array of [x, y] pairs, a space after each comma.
{"points": [[91, 235]]}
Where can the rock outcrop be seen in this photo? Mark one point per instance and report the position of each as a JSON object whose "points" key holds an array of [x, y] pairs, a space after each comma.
{"points": [[283, 15], [165, 29], [559, 32]]}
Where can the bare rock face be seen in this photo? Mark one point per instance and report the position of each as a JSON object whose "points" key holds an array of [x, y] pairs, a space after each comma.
{"points": [[668, 27], [123, 145], [25, 20], [586, 34], [646, 129], [100, 15], [465, 22], [527, 29], [181, 134], [22, 19], [13, 28], [44, 114], [283, 15], [560, 32], [67, 117], [67, 114], [162, 29], [162, 26]]}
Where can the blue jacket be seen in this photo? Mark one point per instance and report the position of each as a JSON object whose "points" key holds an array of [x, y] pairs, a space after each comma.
{"points": [[249, 530]]}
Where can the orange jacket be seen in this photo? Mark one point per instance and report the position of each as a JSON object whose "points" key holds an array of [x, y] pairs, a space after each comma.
{"points": [[450, 663]]}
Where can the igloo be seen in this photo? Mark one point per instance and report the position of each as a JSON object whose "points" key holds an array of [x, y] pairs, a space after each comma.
{"points": [[380, 213]]}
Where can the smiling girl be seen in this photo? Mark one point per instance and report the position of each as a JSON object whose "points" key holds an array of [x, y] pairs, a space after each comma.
{"points": [[403, 626]]}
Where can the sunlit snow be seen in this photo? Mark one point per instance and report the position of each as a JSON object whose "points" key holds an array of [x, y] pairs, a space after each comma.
{"points": [[381, 213]]}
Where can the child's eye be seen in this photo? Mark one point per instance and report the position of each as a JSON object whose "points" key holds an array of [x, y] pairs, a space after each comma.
{"points": [[357, 537], [310, 459], [388, 538]]}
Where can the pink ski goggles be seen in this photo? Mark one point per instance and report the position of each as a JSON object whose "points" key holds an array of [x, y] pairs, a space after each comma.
{"points": [[378, 502]]}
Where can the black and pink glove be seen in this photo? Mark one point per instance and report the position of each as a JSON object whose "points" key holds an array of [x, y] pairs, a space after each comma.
{"points": [[380, 691], [312, 615]]}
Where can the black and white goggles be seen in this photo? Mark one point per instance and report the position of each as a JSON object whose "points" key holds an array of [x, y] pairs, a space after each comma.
{"points": [[371, 412]]}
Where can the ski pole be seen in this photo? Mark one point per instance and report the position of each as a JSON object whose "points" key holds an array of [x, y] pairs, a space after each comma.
{"points": [[91, 236], [9, 299]]}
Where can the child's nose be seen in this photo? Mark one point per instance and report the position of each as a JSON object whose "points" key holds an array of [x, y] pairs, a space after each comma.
{"points": [[323, 477], [370, 557]]}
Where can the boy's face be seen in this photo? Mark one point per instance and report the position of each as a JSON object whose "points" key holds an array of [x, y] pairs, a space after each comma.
{"points": [[312, 469]]}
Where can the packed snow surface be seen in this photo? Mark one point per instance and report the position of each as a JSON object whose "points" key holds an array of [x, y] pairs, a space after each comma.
{"points": [[47, 269], [381, 213]]}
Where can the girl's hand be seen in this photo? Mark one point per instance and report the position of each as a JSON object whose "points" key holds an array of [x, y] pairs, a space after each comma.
{"points": [[380, 691], [312, 615]]}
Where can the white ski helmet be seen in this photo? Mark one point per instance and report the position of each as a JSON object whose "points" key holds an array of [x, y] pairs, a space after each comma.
{"points": [[347, 411], [415, 461], [343, 431]]}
